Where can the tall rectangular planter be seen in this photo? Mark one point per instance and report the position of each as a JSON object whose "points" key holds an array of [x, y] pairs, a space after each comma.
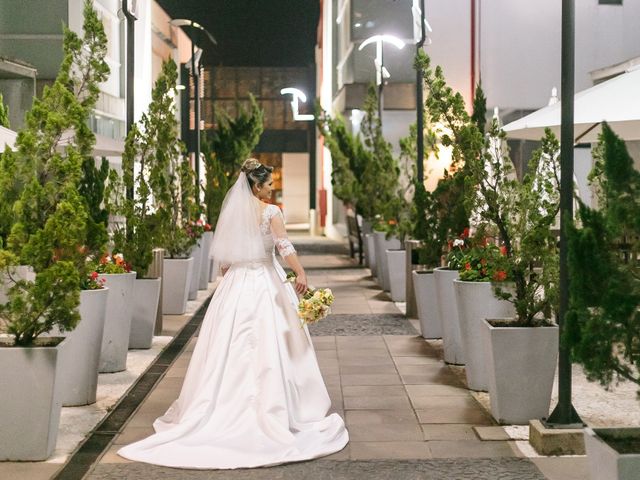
{"points": [[117, 323], [146, 294], [448, 314], [520, 370], [30, 402], [206, 240], [605, 463], [382, 244], [370, 253], [475, 302], [424, 285], [194, 280], [175, 285], [79, 355], [396, 264]]}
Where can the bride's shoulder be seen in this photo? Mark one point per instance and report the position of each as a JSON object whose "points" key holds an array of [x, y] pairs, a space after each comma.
{"points": [[269, 210]]}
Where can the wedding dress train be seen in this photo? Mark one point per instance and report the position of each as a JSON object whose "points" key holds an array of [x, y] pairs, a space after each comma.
{"points": [[253, 394]]}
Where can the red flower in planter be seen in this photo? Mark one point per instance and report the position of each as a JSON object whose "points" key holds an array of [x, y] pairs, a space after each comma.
{"points": [[467, 266], [500, 276], [465, 233], [503, 250]]}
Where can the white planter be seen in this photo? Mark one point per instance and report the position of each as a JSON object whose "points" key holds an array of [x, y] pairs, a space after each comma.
{"points": [[79, 355], [381, 246], [521, 363], [175, 285], [213, 274], [20, 272], [448, 314], [194, 281], [605, 463], [396, 263], [205, 241], [117, 323], [30, 402], [146, 295], [424, 285], [475, 302], [370, 252]]}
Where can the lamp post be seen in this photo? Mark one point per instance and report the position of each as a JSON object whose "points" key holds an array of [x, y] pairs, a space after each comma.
{"points": [[381, 71], [564, 414], [129, 9], [195, 75], [420, 27]]}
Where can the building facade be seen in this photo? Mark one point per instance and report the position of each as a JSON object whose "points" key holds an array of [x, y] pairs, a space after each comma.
{"points": [[511, 47]]}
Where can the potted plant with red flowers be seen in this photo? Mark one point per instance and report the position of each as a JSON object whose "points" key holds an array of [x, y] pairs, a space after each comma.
{"points": [[481, 268]]}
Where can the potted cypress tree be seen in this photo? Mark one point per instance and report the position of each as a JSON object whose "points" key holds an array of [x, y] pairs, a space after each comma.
{"points": [[449, 212], [172, 187], [48, 232], [602, 324]]}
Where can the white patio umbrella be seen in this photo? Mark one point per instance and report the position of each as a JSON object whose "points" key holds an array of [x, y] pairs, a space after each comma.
{"points": [[7, 137], [616, 101]]}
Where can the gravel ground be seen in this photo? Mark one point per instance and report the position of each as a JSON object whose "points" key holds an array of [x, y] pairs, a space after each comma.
{"points": [[369, 324]]}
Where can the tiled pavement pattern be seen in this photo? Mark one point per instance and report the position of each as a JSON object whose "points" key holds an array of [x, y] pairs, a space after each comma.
{"points": [[408, 415]]}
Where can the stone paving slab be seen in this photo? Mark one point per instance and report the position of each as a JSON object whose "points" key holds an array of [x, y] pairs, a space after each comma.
{"points": [[429, 469]]}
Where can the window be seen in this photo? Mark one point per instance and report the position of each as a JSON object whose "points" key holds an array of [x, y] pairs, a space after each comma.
{"points": [[609, 2]]}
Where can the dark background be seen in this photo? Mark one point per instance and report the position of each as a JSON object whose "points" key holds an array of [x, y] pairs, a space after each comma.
{"points": [[253, 32]]}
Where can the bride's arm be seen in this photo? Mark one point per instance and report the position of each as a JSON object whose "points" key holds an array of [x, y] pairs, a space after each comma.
{"points": [[287, 252]]}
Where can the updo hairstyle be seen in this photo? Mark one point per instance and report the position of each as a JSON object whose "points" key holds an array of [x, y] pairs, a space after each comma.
{"points": [[256, 173]]}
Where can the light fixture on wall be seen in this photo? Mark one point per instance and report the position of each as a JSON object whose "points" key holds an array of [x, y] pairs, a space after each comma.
{"points": [[297, 96]]}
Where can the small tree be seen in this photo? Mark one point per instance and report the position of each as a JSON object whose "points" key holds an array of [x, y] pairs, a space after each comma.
{"points": [[344, 147], [49, 230], [225, 149], [445, 214], [171, 179], [603, 324], [379, 180], [92, 189]]}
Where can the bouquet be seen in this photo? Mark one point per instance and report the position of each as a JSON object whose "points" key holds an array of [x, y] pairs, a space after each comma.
{"points": [[315, 303]]}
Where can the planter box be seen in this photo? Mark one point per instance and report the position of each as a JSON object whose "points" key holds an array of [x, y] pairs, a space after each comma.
{"points": [[382, 269], [146, 295], [370, 253], [206, 240], [30, 400], [424, 285], [396, 263], [475, 302], [20, 272], [606, 463], [448, 314], [521, 363], [79, 355], [194, 281], [175, 285], [117, 322]]}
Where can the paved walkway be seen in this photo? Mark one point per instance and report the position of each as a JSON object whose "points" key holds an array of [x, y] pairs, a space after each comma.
{"points": [[408, 415]]}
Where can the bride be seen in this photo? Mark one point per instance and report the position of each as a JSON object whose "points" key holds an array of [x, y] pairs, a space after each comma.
{"points": [[253, 394]]}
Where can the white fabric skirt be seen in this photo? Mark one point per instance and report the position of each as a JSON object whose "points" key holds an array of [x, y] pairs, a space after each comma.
{"points": [[253, 394]]}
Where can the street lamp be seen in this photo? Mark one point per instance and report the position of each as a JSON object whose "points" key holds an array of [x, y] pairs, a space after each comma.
{"points": [[130, 11], [183, 22], [297, 96], [420, 27], [381, 71]]}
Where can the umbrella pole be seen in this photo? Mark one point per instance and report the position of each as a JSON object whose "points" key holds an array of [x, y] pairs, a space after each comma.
{"points": [[564, 415]]}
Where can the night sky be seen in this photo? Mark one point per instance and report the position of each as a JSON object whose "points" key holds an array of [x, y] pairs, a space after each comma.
{"points": [[253, 32]]}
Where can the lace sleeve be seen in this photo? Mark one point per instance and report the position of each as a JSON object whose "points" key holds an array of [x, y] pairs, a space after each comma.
{"points": [[279, 234]]}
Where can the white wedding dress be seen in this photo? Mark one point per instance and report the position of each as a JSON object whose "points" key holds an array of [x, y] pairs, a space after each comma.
{"points": [[253, 394]]}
